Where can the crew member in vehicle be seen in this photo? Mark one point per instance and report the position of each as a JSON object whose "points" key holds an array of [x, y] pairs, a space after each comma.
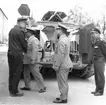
{"points": [[62, 63], [30, 60], [99, 55], [17, 47]]}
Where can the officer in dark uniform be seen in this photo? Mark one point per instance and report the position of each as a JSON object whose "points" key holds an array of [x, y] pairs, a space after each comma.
{"points": [[99, 62], [17, 47]]}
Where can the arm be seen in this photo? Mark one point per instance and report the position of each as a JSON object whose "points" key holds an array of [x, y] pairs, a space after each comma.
{"points": [[59, 57], [34, 50], [23, 42], [103, 48]]}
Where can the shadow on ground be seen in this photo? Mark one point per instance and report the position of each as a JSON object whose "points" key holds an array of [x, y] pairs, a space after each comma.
{"points": [[50, 74]]}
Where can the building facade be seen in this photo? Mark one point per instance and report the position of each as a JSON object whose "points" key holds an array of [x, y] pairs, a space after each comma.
{"points": [[3, 27]]}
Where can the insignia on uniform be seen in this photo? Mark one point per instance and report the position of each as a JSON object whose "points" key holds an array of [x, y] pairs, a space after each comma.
{"points": [[96, 47]]}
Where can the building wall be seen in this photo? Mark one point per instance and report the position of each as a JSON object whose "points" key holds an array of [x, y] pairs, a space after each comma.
{"points": [[3, 28]]}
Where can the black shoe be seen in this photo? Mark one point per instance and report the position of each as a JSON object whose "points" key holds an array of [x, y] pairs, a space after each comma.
{"points": [[42, 90], [60, 101], [57, 98], [98, 94], [25, 88], [17, 94], [93, 92]]}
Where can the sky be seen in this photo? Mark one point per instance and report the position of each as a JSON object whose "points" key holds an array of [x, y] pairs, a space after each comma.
{"points": [[39, 7]]}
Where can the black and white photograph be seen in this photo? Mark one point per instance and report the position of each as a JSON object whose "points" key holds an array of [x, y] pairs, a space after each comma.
{"points": [[52, 52]]}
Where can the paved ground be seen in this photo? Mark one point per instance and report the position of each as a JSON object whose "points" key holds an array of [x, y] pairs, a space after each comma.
{"points": [[79, 91]]}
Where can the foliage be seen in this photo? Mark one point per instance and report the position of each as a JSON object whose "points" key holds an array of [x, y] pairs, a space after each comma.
{"points": [[78, 16]]}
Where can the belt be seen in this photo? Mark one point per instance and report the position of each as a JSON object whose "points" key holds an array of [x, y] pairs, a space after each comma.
{"points": [[100, 59], [15, 51]]}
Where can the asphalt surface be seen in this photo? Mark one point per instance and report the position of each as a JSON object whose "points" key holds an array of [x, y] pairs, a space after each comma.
{"points": [[79, 89]]}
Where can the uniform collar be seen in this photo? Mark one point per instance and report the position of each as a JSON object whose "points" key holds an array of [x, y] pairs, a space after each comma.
{"points": [[17, 26], [31, 37], [62, 36]]}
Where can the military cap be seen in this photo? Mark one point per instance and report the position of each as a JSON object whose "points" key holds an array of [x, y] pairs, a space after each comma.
{"points": [[31, 29], [96, 30], [22, 19], [62, 27]]}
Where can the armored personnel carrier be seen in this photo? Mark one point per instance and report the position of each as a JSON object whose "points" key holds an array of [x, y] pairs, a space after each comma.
{"points": [[80, 47]]}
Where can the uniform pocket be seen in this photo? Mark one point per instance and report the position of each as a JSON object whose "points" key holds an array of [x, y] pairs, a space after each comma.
{"points": [[29, 46]]}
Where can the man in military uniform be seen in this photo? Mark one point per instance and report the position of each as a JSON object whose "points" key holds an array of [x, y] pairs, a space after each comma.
{"points": [[62, 63], [30, 59], [17, 47], [99, 61]]}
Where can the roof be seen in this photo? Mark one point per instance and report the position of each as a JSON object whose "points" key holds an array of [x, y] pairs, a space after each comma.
{"points": [[55, 24], [3, 13], [55, 16]]}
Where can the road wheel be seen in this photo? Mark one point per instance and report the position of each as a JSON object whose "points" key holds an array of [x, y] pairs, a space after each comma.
{"points": [[87, 72]]}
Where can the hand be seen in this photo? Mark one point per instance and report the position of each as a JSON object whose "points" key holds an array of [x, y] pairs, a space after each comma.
{"points": [[56, 68], [33, 61], [39, 66]]}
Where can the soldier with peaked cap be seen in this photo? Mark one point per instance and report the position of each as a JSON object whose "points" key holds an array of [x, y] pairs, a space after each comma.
{"points": [[17, 47], [99, 47], [62, 63], [30, 59]]}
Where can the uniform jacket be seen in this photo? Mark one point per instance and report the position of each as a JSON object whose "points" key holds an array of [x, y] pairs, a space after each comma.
{"points": [[17, 40], [100, 49], [32, 50], [61, 56]]}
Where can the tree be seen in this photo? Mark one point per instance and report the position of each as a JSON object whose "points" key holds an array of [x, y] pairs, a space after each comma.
{"points": [[78, 16], [101, 24], [104, 24]]}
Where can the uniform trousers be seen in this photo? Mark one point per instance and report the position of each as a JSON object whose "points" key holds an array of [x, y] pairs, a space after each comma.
{"points": [[34, 69], [15, 62], [99, 68], [62, 79]]}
